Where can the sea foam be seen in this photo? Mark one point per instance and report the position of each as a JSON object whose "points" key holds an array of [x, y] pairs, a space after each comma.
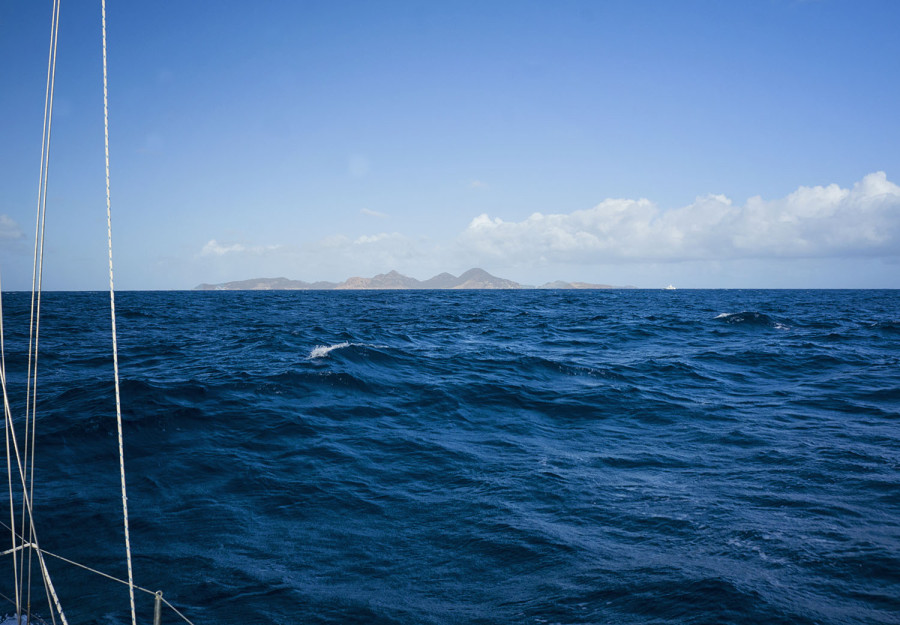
{"points": [[320, 351]]}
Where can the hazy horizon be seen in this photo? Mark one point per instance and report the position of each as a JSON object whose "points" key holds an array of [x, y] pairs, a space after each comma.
{"points": [[702, 144]]}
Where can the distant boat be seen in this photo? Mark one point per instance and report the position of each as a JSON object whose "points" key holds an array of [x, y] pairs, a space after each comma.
{"points": [[669, 288]]}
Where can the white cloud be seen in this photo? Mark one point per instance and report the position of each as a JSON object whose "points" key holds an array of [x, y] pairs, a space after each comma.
{"points": [[375, 238], [812, 222], [371, 213], [823, 229], [338, 243], [214, 248], [338, 256], [384, 249], [478, 184], [9, 229], [333, 257]]}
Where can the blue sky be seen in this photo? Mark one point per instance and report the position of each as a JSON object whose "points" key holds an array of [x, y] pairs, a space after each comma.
{"points": [[705, 144]]}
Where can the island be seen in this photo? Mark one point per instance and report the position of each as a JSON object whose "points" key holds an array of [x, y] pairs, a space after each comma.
{"points": [[471, 279]]}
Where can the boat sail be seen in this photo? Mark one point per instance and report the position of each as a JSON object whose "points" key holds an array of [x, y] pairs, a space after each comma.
{"points": [[27, 559]]}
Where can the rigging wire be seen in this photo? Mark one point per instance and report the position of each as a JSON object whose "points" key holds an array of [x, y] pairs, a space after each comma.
{"points": [[26, 502], [25, 459], [92, 570], [52, 598], [7, 428], [112, 311], [34, 326]]}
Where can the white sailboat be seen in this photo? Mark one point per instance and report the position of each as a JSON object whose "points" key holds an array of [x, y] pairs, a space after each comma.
{"points": [[24, 557]]}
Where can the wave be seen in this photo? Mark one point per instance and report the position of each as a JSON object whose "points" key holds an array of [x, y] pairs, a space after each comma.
{"points": [[320, 351], [750, 318], [448, 455], [891, 327], [370, 352]]}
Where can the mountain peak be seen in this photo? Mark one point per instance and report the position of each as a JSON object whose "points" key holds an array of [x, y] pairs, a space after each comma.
{"points": [[480, 279], [476, 273]]}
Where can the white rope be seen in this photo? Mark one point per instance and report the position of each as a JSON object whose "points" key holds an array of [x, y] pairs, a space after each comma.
{"points": [[112, 309], [16, 548], [7, 427], [34, 332]]}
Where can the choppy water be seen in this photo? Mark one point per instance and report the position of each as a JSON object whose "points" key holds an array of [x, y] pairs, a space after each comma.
{"points": [[475, 457]]}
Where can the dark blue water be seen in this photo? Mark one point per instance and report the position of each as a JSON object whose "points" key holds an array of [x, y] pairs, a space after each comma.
{"points": [[474, 457]]}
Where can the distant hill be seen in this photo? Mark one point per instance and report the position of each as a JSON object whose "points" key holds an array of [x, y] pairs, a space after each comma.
{"points": [[267, 284], [472, 279]]}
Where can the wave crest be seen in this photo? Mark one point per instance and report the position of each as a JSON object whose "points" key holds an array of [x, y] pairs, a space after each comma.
{"points": [[750, 318], [320, 351]]}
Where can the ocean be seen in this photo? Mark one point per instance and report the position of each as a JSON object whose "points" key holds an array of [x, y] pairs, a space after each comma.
{"points": [[437, 457]]}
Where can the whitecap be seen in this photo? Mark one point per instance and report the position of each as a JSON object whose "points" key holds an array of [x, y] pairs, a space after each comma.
{"points": [[320, 351], [748, 317]]}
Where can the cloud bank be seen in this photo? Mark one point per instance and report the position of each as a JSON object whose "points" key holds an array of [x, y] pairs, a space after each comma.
{"points": [[812, 222], [824, 224]]}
